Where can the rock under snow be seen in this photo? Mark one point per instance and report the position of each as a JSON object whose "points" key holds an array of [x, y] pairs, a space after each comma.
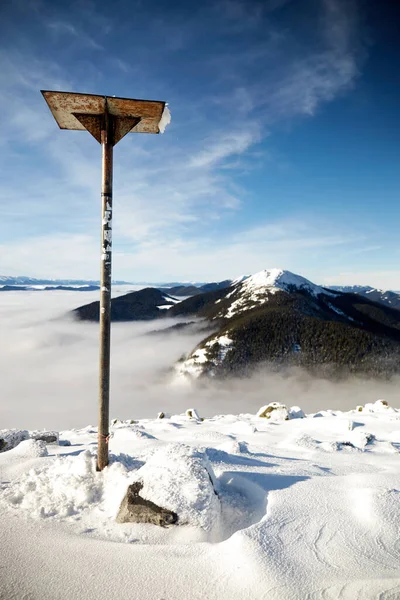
{"points": [[295, 412], [180, 479], [135, 509], [378, 406], [193, 414], [9, 438], [49, 437]]}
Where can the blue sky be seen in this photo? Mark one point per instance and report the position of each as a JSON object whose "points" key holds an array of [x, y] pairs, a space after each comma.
{"points": [[282, 151]]}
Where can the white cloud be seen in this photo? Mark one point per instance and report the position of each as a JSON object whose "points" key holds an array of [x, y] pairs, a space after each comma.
{"points": [[171, 192], [225, 145], [53, 254], [291, 244], [49, 371]]}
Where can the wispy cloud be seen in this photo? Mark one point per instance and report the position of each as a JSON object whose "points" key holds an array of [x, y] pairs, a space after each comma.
{"points": [[61, 27], [225, 145], [289, 74], [171, 191], [65, 28]]}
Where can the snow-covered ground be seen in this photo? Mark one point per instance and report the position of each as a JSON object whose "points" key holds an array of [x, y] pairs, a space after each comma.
{"points": [[305, 508]]}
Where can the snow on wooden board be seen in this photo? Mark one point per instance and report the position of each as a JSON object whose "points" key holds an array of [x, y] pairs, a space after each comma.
{"points": [[308, 508]]}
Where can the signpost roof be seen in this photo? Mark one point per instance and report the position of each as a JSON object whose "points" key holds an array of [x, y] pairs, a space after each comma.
{"points": [[83, 111]]}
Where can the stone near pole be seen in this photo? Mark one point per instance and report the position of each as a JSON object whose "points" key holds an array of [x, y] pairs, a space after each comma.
{"points": [[108, 120]]}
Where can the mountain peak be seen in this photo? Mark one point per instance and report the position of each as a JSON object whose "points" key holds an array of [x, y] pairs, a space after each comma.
{"points": [[280, 279], [255, 289]]}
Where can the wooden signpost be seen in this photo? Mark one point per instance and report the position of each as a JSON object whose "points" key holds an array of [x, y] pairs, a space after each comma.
{"points": [[108, 120]]}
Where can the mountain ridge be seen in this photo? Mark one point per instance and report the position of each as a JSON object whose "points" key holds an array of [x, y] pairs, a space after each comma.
{"points": [[278, 317]]}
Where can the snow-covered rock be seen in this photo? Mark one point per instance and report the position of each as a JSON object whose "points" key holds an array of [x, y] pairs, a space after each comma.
{"points": [[378, 406], [274, 411], [49, 437], [193, 414], [9, 438], [295, 412], [181, 479], [30, 449], [136, 509]]}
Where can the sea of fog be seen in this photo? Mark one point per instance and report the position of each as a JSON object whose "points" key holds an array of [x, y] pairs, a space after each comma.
{"points": [[49, 370]]}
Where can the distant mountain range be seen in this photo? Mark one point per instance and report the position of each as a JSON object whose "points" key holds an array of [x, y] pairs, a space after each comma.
{"points": [[178, 289], [274, 317], [22, 280], [192, 290], [386, 297], [144, 305], [43, 288]]}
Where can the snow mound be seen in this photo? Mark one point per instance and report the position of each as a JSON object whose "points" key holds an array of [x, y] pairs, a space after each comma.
{"points": [[306, 441], [210, 437], [30, 449], [181, 479], [239, 427], [339, 446], [130, 433], [64, 488], [378, 407], [234, 447], [360, 438]]}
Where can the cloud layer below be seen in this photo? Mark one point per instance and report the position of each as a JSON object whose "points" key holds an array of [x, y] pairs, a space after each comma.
{"points": [[49, 371]]}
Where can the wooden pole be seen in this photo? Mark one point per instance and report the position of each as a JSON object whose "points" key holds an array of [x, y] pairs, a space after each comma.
{"points": [[107, 143]]}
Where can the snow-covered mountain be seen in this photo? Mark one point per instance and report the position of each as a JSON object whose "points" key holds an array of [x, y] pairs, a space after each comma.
{"points": [[143, 305], [351, 289], [280, 317], [387, 297], [255, 290], [274, 316], [193, 289]]}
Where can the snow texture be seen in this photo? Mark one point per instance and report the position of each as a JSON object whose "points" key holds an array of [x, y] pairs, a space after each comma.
{"points": [[9, 438], [193, 365], [179, 478], [305, 508]]}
